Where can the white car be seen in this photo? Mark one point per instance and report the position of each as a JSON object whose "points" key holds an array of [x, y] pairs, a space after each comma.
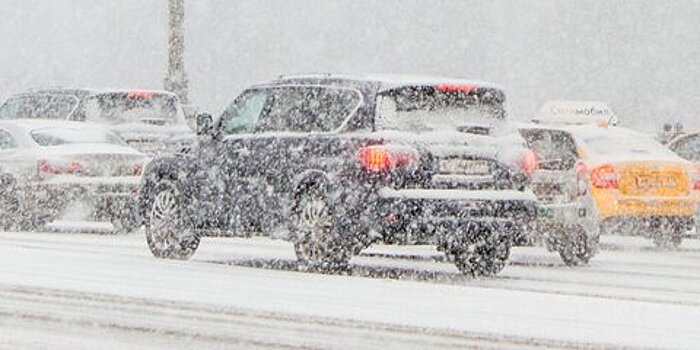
{"points": [[47, 165]]}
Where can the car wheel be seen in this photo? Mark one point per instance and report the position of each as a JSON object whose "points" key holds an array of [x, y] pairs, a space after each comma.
{"points": [[577, 248], [668, 237], [482, 254], [166, 233], [318, 242]]}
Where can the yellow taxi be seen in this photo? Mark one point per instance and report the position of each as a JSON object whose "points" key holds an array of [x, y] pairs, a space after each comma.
{"points": [[639, 186]]}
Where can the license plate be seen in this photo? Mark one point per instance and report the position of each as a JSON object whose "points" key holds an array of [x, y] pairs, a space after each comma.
{"points": [[656, 182], [464, 167]]}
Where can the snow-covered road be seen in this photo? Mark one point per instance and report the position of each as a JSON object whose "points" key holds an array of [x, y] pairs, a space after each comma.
{"points": [[72, 291]]}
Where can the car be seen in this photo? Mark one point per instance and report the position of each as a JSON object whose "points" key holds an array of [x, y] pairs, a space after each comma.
{"points": [[46, 166], [567, 219], [687, 146], [639, 186], [334, 163], [148, 120]]}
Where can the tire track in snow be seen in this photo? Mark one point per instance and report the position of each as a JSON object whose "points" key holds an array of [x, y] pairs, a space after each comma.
{"points": [[236, 328]]}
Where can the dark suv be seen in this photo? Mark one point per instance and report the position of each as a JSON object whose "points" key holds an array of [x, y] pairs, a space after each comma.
{"points": [[334, 163]]}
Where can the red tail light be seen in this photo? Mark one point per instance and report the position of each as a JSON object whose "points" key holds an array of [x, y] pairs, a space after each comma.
{"points": [[384, 158], [455, 88], [46, 167], [696, 179], [528, 162], [582, 178], [137, 170], [605, 177]]}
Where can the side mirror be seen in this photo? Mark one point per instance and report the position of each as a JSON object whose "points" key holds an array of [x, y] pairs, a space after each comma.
{"points": [[205, 124], [190, 112]]}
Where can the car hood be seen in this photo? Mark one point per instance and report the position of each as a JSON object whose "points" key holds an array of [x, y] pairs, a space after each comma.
{"points": [[147, 132]]}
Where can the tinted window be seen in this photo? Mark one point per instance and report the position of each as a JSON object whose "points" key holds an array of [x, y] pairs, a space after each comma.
{"points": [[39, 106], [555, 149], [417, 109], [307, 109], [688, 148]]}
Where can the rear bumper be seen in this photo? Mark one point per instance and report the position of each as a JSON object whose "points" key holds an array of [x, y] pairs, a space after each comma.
{"points": [[611, 206], [418, 216], [109, 196]]}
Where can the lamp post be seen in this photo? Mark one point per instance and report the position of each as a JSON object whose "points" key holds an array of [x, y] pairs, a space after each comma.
{"points": [[176, 78]]}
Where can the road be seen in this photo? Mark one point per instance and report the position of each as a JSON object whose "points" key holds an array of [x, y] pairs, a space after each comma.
{"points": [[80, 291]]}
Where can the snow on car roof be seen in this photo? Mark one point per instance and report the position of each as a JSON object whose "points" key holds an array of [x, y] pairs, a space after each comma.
{"points": [[387, 81], [620, 145]]}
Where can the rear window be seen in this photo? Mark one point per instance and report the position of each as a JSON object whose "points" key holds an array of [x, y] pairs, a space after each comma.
{"points": [[132, 107], [430, 108], [555, 149], [39, 106], [625, 144], [63, 136], [291, 109]]}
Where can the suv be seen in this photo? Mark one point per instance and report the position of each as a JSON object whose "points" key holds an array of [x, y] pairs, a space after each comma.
{"points": [[567, 219], [146, 120], [334, 163]]}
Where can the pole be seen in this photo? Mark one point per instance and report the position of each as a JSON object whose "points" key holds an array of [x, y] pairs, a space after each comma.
{"points": [[176, 79]]}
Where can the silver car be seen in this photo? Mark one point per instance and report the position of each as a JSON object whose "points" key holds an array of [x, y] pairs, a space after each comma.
{"points": [[47, 165]]}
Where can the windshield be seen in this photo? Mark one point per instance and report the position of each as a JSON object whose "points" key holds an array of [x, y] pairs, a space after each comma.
{"points": [[38, 106], [63, 136], [428, 109], [132, 107]]}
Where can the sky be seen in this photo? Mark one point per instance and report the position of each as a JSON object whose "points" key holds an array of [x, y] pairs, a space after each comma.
{"points": [[637, 55]]}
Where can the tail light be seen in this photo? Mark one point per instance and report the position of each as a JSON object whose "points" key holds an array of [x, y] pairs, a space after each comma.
{"points": [[582, 178], [137, 170], [381, 158], [528, 162], [696, 179], [47, 167], [605, 177]]}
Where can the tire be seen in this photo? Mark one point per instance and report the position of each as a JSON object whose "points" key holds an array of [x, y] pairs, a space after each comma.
{"points": [[482, 253], [578, 248], [318, 241], [167, 234], [668, 238]]}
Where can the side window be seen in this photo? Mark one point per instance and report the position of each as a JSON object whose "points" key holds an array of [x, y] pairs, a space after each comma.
{"points": [[6, 140], [688, 148], [308, 109], [243, 114], [556, 150]]}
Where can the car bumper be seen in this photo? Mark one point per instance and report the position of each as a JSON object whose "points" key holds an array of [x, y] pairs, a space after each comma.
{"points": [[108, 195], [418, 216]]}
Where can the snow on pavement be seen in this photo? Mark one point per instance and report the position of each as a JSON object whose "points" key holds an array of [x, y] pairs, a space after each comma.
{"points": [[631, 296]]}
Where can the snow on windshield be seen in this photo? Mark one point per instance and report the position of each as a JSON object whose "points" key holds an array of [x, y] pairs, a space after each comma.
{"points": [[63, 136], [623, 143]]}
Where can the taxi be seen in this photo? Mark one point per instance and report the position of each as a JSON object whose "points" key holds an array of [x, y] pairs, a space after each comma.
{"points": [[628, 183], [638, 185]]}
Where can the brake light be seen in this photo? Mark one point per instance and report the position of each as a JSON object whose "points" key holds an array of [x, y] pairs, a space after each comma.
{"points": [[605, 177], [385, 158], [137, 170], [582, 178], [46, 167], [140, 94], [528, 162], [455, 88], [696, 179]]}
